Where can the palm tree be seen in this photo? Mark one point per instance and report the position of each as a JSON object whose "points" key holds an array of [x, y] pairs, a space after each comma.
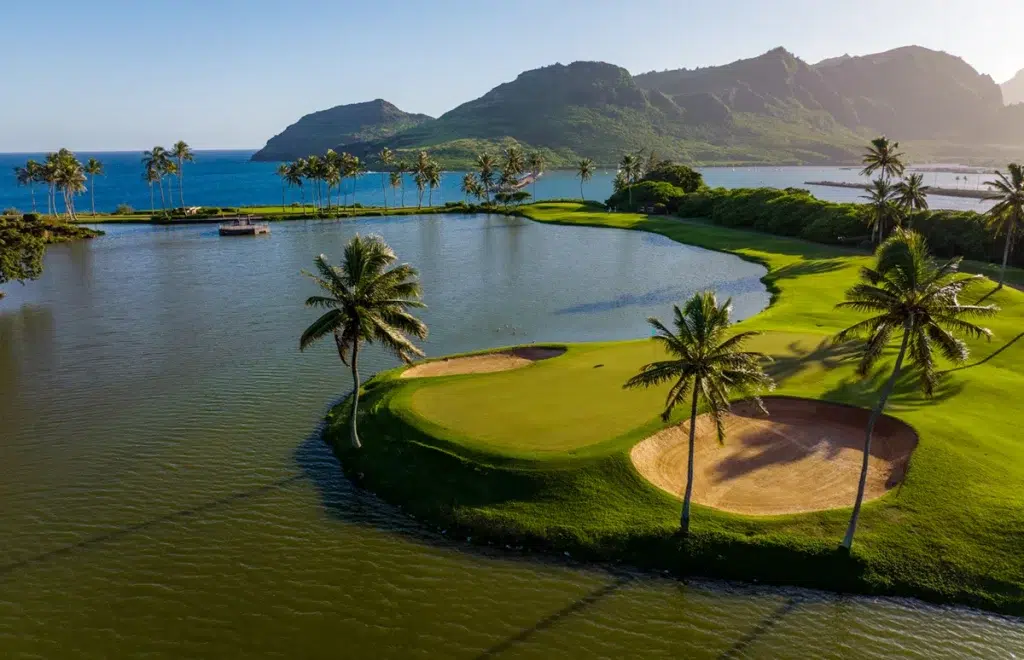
{"points": [[314, 170], [421, 183], [28, 176], [402, 167], [706, 366], [368, 302], [1007, 216], [909, 293], [584, 170], [386, 157], [282, 171], [151, 176], [47, 175], [156, 160], [183, 154], [882, 200], [536, 164], [628, 166], [468, 185], [355, 168], [296, 175], [93, 168], [396, 181], [332, 177], [433, 175], [335, 171], [515, 162], [884, 157], [912, 194], [485, 166], [70, 179]]}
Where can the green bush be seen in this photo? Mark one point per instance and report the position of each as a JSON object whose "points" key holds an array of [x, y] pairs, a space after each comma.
{"points": [[679, 176], [647, 193], [124, 209], [11, 211], [30, 217]]}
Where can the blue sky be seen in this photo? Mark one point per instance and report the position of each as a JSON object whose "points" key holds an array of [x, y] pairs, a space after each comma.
{"points": [[127, 74]]}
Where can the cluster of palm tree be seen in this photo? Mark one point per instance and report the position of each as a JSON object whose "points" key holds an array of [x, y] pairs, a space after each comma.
{"points": [[891, 196], [907, 293], [62, 172], [159, 163], [502, 177], [1006, 217], [324, 174]]}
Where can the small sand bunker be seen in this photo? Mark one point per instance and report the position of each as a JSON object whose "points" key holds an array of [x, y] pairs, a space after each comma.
{"points": [[804, 456], [484, 363]]}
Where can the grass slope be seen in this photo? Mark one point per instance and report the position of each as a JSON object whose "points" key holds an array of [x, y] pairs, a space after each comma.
{"points": [[539, 456]]}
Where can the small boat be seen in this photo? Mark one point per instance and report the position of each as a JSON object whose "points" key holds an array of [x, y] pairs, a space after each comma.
{"points": [[244, 227]]}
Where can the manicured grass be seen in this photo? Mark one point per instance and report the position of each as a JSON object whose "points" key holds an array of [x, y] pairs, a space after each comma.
{"points": [[539, 456]]}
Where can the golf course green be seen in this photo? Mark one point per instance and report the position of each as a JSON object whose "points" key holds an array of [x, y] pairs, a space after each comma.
{"points": [[538, 456]]}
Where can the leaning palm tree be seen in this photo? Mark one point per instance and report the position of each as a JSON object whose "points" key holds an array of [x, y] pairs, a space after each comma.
{"points": [[93, 168], [1007, 216], [468, 185], [883, 156], [27, 176], [912, 194], [368, 301], [156, 160], [705, 365], [386, 157], [884, 207], [183, 154], [909, 294], [536, 164], [584, 170], [433, 175], [485, 170], [396, 183]]}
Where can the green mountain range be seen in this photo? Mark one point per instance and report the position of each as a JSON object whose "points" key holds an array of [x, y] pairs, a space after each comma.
{"points": [[770, 109]]}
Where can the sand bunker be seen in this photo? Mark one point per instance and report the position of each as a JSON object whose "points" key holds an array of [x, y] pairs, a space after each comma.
{"points": [[483, 364], [804, 456]]}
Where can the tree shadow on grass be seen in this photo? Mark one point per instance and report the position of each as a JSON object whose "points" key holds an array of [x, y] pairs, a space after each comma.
{"points": [[906, 395], [807, 267], [827, 354], [992, 355]]}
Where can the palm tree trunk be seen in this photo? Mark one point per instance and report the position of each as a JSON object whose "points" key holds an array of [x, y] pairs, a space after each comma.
{"points": [[282, 197], [1006, 256], [582, 198], [875, 414], [163, 200], [32, 191], [92, 193], [684, 521], [181, 179], [152, 204], [355, 395], [384, 190], [430, 197]]}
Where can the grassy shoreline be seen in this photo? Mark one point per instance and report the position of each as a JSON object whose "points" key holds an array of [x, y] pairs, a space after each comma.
{"points": [[950, 533]]}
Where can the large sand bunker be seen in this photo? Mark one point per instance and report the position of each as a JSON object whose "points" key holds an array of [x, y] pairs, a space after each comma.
{"points": [[484, 363], [804, 456]]}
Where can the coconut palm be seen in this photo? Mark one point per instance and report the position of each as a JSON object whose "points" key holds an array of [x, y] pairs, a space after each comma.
{"points": [[884, 208], [402, 167], [629, 167], [909, 294], [707, 366], [1007, 216], [433, 175], [515, 162], [182, 153], [368, 301], [151, 176], [584, 170], [421, 184], [314, 172], [355, 169], [93, 168], [28, 176], [70, 179], [296, 177], [620, 181], [48, 175], [396, 182], [536, 164], [386, 157], [485, 170], [912, 194], [156, 160], [883, 156], [468, 185], [282, 171], [335, 171]]}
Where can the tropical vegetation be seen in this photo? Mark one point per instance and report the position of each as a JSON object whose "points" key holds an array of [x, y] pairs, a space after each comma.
{"points": [[1006, 218]]}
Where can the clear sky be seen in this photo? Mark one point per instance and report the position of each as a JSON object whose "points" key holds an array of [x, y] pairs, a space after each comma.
{"points": [[127, 74]]}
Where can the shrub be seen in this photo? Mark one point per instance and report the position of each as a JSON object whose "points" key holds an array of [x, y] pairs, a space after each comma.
{"points": [[660, 209], [228, 209], [11, 211], [679, 176], [123, 209], [647, 193], [31, 217]]}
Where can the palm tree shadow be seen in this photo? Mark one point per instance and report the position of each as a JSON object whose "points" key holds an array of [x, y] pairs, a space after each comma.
{"points": [[807, 267], [828, 354], [907, 393], [985, 359]]}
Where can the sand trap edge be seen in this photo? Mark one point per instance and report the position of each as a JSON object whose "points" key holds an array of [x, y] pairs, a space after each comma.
{"points": [[484, 363]]}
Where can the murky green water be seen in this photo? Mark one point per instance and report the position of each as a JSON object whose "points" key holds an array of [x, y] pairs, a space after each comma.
{"points": [[163, 494]]}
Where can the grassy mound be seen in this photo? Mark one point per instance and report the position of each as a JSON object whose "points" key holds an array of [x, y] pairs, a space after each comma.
{"points": [[540, 456]]}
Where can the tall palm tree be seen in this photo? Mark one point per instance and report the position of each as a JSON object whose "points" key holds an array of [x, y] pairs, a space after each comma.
{"points": [[433, 175], [282, 171], [468, 185], [705, 365], [485, 170], [628, 166], [336, 163], [883, 156], [296, 176], [314, 172], [48, 175], [70, 179], [912, 194], [93, 168], [536, 164], [156, 160], [183, 154], [420, 179], [584, 170], [908, 293], [332, 177], [368, 301], [26, 176], [515, 162], [884, 208], [1007, 216], [386, 157], [151, 176], [356, 169], [402, 167], [396, 181]]}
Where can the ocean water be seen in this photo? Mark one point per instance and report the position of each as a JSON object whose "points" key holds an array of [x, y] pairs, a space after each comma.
{"points": [[227, 178]]}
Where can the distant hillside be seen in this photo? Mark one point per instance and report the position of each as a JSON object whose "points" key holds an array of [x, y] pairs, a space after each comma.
{"points": [[327, 129], [599, 111], [1013, 89]]}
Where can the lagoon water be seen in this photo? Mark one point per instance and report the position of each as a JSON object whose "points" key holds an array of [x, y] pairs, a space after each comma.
{"points": [[227, 178], [164, 494]]}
